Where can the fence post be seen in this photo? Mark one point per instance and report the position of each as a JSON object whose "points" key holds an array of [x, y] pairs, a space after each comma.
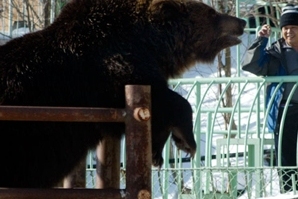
{"points": [[108, 162], [138, 142]]}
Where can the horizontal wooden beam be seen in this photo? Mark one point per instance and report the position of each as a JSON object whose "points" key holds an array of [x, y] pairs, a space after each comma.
{"points": [[62, 193], [61, 114]]}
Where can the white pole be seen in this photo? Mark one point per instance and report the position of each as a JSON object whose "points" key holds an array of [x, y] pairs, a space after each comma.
{"points": [[10, 17], [53, 7]]}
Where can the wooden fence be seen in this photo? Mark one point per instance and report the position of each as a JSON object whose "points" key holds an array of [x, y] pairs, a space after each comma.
{"points": [[137, 118]]}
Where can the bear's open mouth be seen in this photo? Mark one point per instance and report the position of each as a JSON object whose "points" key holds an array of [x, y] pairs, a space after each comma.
{"points": [[235, 38], [231, 39]]}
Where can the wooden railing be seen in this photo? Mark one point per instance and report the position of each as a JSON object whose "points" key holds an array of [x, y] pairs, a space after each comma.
{"points": [[137, 118]]}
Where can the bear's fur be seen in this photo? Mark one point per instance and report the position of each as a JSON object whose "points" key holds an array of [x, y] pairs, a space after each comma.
{"points": [[84, 59]]}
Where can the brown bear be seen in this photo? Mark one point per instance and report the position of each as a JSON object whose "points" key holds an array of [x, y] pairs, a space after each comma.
{"points": [[84, 59]]}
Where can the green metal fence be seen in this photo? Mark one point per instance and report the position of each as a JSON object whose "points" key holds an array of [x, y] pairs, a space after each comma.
{"points": [[241, 147]]}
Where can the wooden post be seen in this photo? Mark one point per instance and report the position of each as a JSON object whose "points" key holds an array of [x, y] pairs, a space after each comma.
{"points": [[138, 142], [108, 162]]}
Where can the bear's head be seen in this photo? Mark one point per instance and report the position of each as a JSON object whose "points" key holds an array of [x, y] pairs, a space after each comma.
{"points": [[191, 32]]}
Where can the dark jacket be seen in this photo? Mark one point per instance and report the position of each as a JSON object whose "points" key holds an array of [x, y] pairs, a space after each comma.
{"points": [[270, 61]]}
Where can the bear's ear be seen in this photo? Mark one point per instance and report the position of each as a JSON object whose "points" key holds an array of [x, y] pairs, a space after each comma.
{"points": [[167, 10]]}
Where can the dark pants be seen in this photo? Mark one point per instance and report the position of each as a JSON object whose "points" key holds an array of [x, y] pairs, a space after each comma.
{"points": [[288, 147]]}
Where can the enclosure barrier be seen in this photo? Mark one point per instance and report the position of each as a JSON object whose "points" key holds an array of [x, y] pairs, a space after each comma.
{"points": [[137, 119], [237, 157]]}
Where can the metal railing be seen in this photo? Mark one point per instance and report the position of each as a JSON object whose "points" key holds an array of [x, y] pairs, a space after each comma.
{"points": [[246, 150]]}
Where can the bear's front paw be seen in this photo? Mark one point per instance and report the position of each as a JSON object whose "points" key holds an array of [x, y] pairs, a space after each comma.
{"points": [[184, 142]]}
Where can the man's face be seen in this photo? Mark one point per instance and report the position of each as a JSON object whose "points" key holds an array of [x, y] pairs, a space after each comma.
{"points": [[290, 34]]}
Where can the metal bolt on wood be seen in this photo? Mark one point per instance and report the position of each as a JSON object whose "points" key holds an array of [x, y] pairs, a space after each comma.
{"points": [[142, 114], [144, 194]]}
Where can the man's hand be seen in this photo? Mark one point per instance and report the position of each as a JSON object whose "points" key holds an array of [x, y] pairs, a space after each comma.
{"points": [[265, 31]]}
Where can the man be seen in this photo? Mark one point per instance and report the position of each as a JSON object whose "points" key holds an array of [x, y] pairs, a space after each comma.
{"points": [[281, 58]]}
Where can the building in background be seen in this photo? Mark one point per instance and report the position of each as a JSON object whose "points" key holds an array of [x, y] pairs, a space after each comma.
{"points": [[18, 17]]}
